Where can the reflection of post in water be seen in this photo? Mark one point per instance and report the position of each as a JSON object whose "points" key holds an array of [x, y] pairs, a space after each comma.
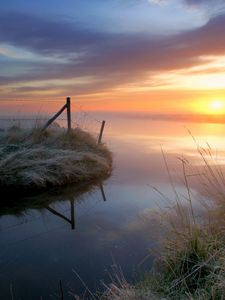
{"points": [[72, 214], [71, 221], [102, 192]]}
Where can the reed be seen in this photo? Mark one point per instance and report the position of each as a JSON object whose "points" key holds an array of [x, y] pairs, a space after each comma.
{"points": [[191, 264]]}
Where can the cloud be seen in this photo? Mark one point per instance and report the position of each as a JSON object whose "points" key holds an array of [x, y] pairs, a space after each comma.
{"points": [[46, 36], [199, 2], [109, 59], [157, 1], [210, 7]]}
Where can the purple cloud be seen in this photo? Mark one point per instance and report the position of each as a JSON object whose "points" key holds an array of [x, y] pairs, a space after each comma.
{"points": [[110, 59], [46, 36]]}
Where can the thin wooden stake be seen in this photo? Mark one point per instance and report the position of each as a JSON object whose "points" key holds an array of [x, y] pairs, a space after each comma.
{"points": [[101, 132], [68, 105]]}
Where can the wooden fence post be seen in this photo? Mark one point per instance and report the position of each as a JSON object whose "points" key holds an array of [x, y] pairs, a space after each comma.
{"points": [[68, 104], [50, 121], [101, 132]]}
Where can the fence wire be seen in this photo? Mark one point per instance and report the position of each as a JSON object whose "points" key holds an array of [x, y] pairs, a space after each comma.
{"points": [[80, 118]]}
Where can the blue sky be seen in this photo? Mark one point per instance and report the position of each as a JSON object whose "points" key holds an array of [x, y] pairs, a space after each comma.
{"points": [[114, 15]]}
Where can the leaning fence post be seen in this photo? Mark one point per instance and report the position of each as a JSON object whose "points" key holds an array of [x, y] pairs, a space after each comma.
{"points": [[68, 105], [101, 132], [50, 121]]}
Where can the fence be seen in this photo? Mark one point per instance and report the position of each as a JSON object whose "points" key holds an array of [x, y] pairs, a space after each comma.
{"points": [[65, 118]]}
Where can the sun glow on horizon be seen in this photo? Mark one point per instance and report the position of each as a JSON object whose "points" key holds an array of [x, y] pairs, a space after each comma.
{"points": [[209, 106], [217, 107]]}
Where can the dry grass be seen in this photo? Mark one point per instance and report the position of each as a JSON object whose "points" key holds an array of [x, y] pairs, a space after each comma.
{"points": [[31, 159], [118, 289], [191, 264]]}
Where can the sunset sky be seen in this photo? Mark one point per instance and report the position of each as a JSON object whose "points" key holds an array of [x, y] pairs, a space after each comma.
{"points": [[154, 56]]}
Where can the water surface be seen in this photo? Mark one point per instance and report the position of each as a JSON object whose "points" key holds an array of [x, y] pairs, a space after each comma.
{"points": [[53, 237]]}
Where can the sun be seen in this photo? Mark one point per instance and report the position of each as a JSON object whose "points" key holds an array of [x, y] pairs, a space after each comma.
{"points": [[217, 106], [209, 106]]}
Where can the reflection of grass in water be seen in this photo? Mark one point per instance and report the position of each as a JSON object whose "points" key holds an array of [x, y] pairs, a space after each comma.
{"points": [[14, 204], [36, 159]]}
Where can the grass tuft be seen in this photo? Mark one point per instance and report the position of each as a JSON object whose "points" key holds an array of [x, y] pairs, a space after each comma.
{"points": [[36, 159]]}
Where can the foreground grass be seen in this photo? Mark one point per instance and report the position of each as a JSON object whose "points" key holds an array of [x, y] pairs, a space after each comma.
{"points": [[193, 270], [36, 159], [191, 263]]}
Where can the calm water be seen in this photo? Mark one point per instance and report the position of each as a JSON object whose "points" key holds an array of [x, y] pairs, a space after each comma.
{"points": [[54, 236]]}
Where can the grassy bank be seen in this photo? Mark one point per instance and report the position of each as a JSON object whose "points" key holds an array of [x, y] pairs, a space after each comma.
{"points": [[191, 259], [191, 264], [36, 159]]}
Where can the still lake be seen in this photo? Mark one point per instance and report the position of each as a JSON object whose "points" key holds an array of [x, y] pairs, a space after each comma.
{"points": [[89, 232]]}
